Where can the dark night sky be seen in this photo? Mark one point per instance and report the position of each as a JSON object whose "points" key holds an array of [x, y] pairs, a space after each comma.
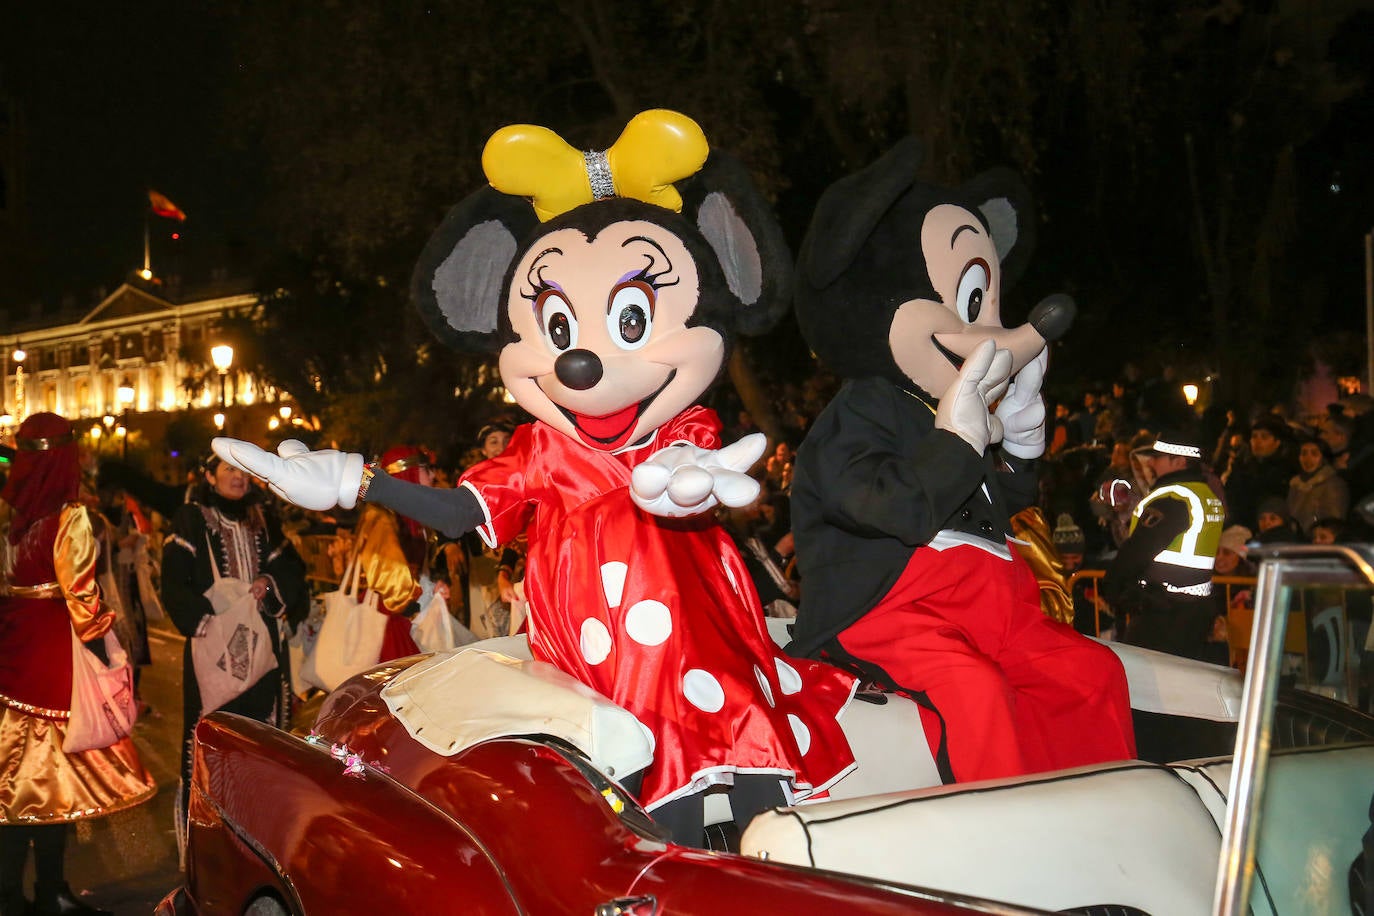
{"points": [[117, 98]]}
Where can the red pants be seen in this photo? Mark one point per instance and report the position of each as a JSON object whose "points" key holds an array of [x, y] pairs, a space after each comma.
{"points": [[1019, 693]]}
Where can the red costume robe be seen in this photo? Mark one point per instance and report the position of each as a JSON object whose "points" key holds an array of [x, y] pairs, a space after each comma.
{"points": [[660, 615], [47, 588]]}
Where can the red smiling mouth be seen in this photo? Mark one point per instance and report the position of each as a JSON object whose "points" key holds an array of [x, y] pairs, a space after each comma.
{"points": [[612, 430]]}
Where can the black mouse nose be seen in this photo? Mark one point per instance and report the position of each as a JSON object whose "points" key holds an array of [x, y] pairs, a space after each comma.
{"points": [[578, 369], [1053, 316]]}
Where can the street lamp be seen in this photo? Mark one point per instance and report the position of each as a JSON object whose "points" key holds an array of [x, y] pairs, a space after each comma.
{"points": [[125, 394], [223, 357], [20, 407]]}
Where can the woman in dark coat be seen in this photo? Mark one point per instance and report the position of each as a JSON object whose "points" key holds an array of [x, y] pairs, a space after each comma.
{"points": [[226, 523]]}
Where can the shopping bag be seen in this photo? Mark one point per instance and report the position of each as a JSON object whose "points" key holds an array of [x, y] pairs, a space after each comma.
{"points": [[350, 640], [432, 628], [103, 707], [232, 650], [147, 574], [301, 644]]}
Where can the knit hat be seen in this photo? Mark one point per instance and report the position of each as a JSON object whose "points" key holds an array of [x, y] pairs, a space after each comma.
{"points": [[1274, 425], [1235, 540], [1068, 537], [1274, 504]]}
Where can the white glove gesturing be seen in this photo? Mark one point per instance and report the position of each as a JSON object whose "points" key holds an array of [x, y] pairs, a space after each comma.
{"points": [[312, 480], [1022, 411], [683, 479], [965, 406]]}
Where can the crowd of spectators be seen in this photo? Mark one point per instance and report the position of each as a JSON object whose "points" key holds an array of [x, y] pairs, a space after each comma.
{"points": [[1282, 479]]}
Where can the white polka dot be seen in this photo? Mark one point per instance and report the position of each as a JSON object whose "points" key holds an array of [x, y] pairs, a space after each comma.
{"points": [[763, 685], [596, 641], [788, 678], [729, 574], [649, 622], [703, 691], [800, 732], [613, 581]]}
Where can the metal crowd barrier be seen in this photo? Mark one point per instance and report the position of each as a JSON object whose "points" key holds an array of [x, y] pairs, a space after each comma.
{"points": [[1336, 616]]}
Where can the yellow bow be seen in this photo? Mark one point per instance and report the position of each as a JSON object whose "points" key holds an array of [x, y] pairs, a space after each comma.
{"points": [[654, 150]]}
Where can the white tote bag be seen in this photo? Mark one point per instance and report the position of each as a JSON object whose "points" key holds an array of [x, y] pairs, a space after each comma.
{"points": [[432, 628], [103, 705], [350, 640], [301, 644], [146, 573], [232, 649]]}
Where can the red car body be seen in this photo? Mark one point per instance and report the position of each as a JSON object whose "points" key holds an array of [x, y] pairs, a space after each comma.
{"points": [[509, 826]]}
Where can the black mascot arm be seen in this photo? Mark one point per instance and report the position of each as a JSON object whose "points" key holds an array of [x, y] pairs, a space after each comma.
{"points": [[452, 512], [875, 484], [1161, 522]]}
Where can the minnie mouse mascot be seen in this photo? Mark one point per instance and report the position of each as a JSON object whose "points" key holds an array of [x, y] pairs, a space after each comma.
{"points": [[611, 283], [903, 491]]}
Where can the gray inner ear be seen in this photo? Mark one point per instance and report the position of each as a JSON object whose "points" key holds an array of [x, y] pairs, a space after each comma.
{"points": [[1001, 217], [734, 246], [467, 285]]}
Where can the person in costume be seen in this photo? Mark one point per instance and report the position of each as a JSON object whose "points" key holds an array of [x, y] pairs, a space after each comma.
{"points": [[395, 553], [1161, 578], [491, 572], [612, 301], [226, 525], [48, 587], [904, 487]]}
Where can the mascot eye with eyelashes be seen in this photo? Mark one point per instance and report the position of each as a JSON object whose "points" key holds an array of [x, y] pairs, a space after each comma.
{"points": [[612, 284], [630, 314], [557, 320]]}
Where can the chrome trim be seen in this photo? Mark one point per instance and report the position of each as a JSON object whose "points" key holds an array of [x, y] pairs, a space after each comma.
{"points": [[1236, 866]]}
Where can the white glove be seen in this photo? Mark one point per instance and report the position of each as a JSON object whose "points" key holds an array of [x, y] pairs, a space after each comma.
{"points": [[312, 480], [964, 407], [681, 480], [1022, 411]]}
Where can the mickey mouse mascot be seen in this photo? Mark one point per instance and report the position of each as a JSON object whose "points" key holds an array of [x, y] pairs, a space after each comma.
{"points": [[905, 485], [611, 284]]}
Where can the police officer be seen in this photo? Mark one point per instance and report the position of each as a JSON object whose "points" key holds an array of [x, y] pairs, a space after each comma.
{"points": [[1161, 579]]}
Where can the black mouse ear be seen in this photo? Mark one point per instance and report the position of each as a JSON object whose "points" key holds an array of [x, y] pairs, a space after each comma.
{"points": [[458, 280], [850, 210], [1005, 202], [746, 238]]}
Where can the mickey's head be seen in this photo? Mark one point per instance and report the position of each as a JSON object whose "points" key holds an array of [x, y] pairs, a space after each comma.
{"points": [[610, 282], [903, 280]]}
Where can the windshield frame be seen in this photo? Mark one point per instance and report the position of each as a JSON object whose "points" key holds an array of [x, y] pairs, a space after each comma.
{"points": [[1282, 569]]}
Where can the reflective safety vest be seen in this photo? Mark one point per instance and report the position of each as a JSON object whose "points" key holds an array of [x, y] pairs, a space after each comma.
{"points": [[1185, 565]]}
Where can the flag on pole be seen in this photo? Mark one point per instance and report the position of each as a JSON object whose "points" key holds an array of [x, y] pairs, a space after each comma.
{"points": [[164, 207]]}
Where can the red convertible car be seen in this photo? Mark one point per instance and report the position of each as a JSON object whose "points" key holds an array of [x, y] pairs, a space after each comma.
{"points": [[480, 781]]}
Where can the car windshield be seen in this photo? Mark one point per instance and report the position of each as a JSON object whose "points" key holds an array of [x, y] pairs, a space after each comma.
{"points": [[1303, 771]]}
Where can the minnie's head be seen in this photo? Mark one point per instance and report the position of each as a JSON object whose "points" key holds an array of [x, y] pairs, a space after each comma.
{"points": [[610, 283]]}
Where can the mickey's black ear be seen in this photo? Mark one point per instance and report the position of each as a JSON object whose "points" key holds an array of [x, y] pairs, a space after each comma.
{"points": [[742, 230], [1005, 202], [850, 210], [457, 282]]}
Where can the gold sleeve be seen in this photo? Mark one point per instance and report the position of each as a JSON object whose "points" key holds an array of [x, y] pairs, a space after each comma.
{"points": [[1037, 548], [384, 566], [75, 553]]}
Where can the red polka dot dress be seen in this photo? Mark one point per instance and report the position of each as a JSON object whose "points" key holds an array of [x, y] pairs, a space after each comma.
{"points": [[660, 615]]}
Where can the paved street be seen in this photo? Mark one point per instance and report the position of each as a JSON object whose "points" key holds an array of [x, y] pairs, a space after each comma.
{"points": [[126, 863]]}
